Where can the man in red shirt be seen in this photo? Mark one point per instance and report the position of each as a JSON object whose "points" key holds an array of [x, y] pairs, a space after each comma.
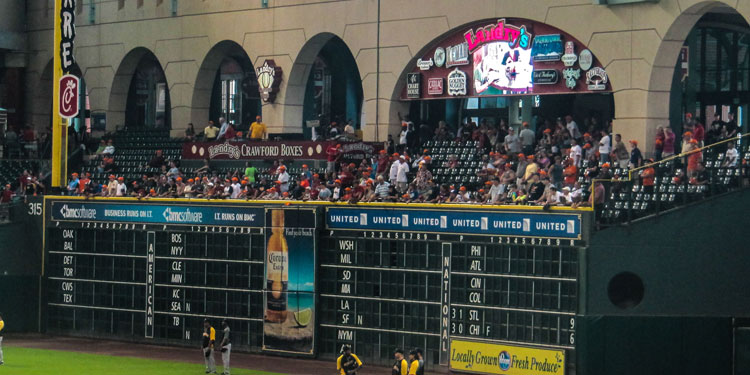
{"points": [[334, 154], [7, 194], [647, 178], [570, 173]]}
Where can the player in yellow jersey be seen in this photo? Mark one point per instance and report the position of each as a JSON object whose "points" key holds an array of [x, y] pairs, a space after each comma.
{"points": [[348, 363], [2, 325], [413, 362], [209, 339], [400, 366]]}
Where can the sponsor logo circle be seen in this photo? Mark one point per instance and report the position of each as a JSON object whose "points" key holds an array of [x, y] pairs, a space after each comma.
{"points": [[201, 151], [503, 360], [194, 149], [318, 149], [309, 151]]}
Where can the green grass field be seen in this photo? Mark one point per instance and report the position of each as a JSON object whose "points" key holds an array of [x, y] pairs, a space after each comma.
{"points": [[22, 361]]}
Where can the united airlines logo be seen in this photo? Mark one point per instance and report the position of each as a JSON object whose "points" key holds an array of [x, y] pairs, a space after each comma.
{"points": [[77, 213], [182, 216]]}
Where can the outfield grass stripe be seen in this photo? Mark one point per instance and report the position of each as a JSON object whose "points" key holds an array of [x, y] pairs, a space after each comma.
{"points": [[25, 361]]}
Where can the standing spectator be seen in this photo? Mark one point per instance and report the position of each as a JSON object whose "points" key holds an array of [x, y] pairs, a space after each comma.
{"points": [[528, 138], [402, 181], [731, 126], [349, 128], [620, 153], [576, 153], [250, 172], [190, 132], [659, 142], [512, 142], [402, 138], [694, 157], [636, 158], [570, 173], [158, 160], [223, 129], [334, 154], [648, 177], [699, 132], [7, 194], [572, 127], [731, 156], [393, 172], [258, 130], [605, 147], [669, 139], [210, 132], [283, 179]]}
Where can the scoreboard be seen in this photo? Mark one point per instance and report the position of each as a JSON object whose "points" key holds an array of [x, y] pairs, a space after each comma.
{"points": [[419, 278], [306, 279]]}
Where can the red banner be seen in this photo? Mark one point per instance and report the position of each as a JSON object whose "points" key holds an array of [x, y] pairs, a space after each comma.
{"points": [[285, 150], [69, 89]]}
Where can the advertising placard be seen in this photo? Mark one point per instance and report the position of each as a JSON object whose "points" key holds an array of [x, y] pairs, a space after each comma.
{"points": [[289, 313], [157, 214], [485, 358], [271, 150], [518, 224]]}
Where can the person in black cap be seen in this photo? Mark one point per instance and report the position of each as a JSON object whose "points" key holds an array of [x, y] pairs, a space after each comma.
{"points": [[413, 362], [348, 363], [209, 339], [420, 360], [400, 366]]}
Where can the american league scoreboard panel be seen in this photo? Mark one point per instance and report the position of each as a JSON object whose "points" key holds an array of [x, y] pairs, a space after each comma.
{"points": [[154, 271], [439, 279], [304, 280]]}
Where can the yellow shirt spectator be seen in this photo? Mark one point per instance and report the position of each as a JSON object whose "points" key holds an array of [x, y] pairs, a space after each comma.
{"points": [[257, 130], [211, 132]]}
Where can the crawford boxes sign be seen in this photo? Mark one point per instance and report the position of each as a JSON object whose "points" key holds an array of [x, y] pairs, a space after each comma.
{"points": [[240, 150]]}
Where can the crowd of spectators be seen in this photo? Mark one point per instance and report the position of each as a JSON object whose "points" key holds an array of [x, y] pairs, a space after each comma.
{"points": [[555, 165]]}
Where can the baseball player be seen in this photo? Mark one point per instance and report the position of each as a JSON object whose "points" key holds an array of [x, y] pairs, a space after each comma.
{"points": [[2, 325], [209, 339], [348, 363], [226, 347]]}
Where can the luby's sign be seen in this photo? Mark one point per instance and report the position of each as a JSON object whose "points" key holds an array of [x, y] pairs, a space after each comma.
{"points": [[292, 150], [513, 35], [504, 57]]}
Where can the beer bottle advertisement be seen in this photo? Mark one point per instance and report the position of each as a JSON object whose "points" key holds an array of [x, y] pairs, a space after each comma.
{"points": [[289, 318]]}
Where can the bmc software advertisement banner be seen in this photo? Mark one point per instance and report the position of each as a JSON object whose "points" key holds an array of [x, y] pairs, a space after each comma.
{"points": [[157, 214], [484, 358], [518, 224], [289, 314]]}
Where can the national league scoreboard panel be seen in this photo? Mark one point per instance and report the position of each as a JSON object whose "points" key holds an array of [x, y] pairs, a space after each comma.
{"points": [[441, 278], [154, 271]]}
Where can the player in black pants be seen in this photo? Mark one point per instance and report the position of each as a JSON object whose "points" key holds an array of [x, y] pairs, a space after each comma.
{"points": [[348, 363]]}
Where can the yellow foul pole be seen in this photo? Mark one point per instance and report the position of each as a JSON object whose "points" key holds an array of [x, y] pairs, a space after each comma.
{"points": [[59, 125]]}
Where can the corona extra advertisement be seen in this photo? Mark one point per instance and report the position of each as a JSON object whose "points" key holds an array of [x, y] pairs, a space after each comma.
{"points": [[289, 319], [483, 358]]}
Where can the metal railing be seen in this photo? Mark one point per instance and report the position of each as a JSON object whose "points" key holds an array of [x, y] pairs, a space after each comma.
{"points": [[626, 199]]}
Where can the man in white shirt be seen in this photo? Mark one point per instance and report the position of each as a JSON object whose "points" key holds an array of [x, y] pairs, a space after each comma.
{"points": [[731, 156], [496, 191], [236, 188], [223, 129], [605, 147], [572, 127], [109, 149], [284, 179], [575, 153], [512, 142], [122, 189], [401, 180], [528, 138], [393, 173]]}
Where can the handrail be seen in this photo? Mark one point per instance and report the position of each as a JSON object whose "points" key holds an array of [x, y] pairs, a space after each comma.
{"points": [[683, 154], [630, 177]]}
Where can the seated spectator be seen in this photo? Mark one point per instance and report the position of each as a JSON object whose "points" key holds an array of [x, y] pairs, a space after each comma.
{"points": [[109, 149], [731, 156]]}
